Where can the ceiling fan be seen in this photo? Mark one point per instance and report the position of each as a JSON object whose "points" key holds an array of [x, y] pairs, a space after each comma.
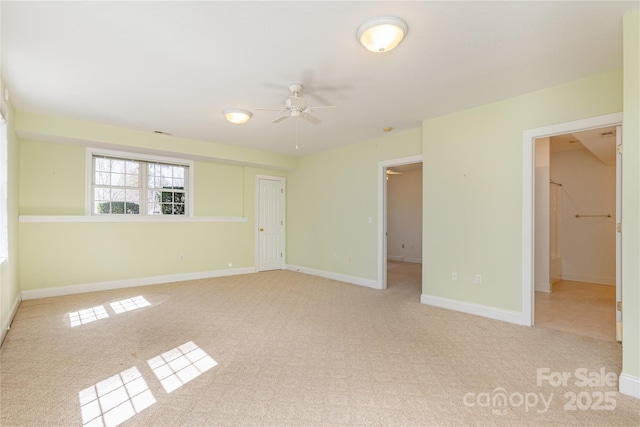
{"points": [[296, 107]]}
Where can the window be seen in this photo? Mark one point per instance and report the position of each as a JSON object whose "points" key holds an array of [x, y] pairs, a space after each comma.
{"points": [[123, 185], [4, 240]]}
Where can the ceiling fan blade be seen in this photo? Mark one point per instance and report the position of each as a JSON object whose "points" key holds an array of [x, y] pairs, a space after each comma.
{"points": [[281, 118], [311, 119], [270, 109], [324, 106]]}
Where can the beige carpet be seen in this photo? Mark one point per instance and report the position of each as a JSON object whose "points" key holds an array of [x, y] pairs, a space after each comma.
{"points": [[283, 348]]}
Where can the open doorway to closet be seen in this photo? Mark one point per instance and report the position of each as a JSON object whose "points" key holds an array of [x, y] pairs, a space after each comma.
{"points": [[402, 225], [576, 206]]}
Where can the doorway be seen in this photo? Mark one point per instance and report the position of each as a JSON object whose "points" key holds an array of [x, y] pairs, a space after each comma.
{"points": [[270, 227], [575, 222], [404, 244], [530, 230]]}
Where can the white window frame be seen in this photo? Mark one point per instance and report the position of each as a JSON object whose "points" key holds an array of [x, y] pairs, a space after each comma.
{"points": [[91, 152]]}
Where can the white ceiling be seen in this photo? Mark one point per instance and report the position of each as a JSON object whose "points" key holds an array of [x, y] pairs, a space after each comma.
{"points": [[173, 66]]}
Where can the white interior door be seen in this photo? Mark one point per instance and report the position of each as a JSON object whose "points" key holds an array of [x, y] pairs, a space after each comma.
{"points": [[619, 233], [271, 205]]}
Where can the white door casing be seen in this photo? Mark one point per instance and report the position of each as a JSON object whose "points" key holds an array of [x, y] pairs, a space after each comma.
{"points": [[528, 191], [270, 230], [619, 233], [382, 212]]}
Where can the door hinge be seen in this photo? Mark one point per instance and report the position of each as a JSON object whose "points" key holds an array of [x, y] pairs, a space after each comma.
{"points": [[619, 305], [282, 191], [619, 149], [280, 254], [619, 227]]}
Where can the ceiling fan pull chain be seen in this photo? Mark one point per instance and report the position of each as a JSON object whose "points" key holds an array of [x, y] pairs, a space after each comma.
{"points": [[296, 133]]}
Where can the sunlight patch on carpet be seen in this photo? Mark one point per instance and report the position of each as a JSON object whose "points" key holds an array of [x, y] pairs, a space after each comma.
{"points": [[81, 317], [129, 304], [180, 365], [113, 401]]}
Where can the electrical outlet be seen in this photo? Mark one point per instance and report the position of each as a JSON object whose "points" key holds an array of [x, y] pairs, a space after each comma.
{"points": [[454, 276], [478, 279]]}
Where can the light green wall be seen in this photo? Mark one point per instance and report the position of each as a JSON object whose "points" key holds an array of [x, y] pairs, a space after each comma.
{"points": [[330, 199], [472, 187], [218, 189], [631, 197], [59, 129], [62, 254], [51, 179]]}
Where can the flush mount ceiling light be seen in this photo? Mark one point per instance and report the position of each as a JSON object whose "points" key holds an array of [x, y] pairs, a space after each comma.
{"points": [[237, 117], [382, 34]]}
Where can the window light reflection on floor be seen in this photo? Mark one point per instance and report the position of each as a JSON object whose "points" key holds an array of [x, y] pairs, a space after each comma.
{"points": [[115, 400], [87, 315], [180, 365], [129, 304]]}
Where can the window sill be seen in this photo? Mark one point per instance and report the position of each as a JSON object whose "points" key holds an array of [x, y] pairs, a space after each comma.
{"points": [[128, 218]]}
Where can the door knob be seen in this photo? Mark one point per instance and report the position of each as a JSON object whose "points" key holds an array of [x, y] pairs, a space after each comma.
{"points": [[261, 229]]}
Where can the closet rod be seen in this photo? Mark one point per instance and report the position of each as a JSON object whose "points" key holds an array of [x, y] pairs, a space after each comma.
{"points": [[555, 183], [594, 216]]}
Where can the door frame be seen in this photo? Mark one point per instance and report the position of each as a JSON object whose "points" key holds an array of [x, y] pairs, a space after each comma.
{"points": [[528, 199], [283, 239], [382, 211]]}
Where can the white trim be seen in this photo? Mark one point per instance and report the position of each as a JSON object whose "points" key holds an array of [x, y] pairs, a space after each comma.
{"points": [[6, 325], [382, 212], [472, 308], [528, 169], [130, 283], [129, 218], [335, 276], [90, 152], [629, 385]]}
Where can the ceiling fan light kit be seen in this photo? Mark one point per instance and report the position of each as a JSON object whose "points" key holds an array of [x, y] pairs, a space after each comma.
{"points": [[236, 116], [382, 34]]}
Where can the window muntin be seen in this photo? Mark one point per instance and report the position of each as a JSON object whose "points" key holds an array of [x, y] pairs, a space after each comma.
{"points": [[122, 186]]}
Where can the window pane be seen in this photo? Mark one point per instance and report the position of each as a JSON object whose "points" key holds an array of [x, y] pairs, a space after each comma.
{"points": [[132, 168], [102, 193], [117, 194], [103, 178], [178, 172], [117, 166], [132, 195], [103, 165], [117, 179], [132, 180]]}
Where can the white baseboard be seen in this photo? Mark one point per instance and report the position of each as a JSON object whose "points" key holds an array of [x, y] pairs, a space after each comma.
{"points": [[336, 276], [590, 279], [629, 385], [7, 322], [543, 287], [130, 283], [477, 309]]}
